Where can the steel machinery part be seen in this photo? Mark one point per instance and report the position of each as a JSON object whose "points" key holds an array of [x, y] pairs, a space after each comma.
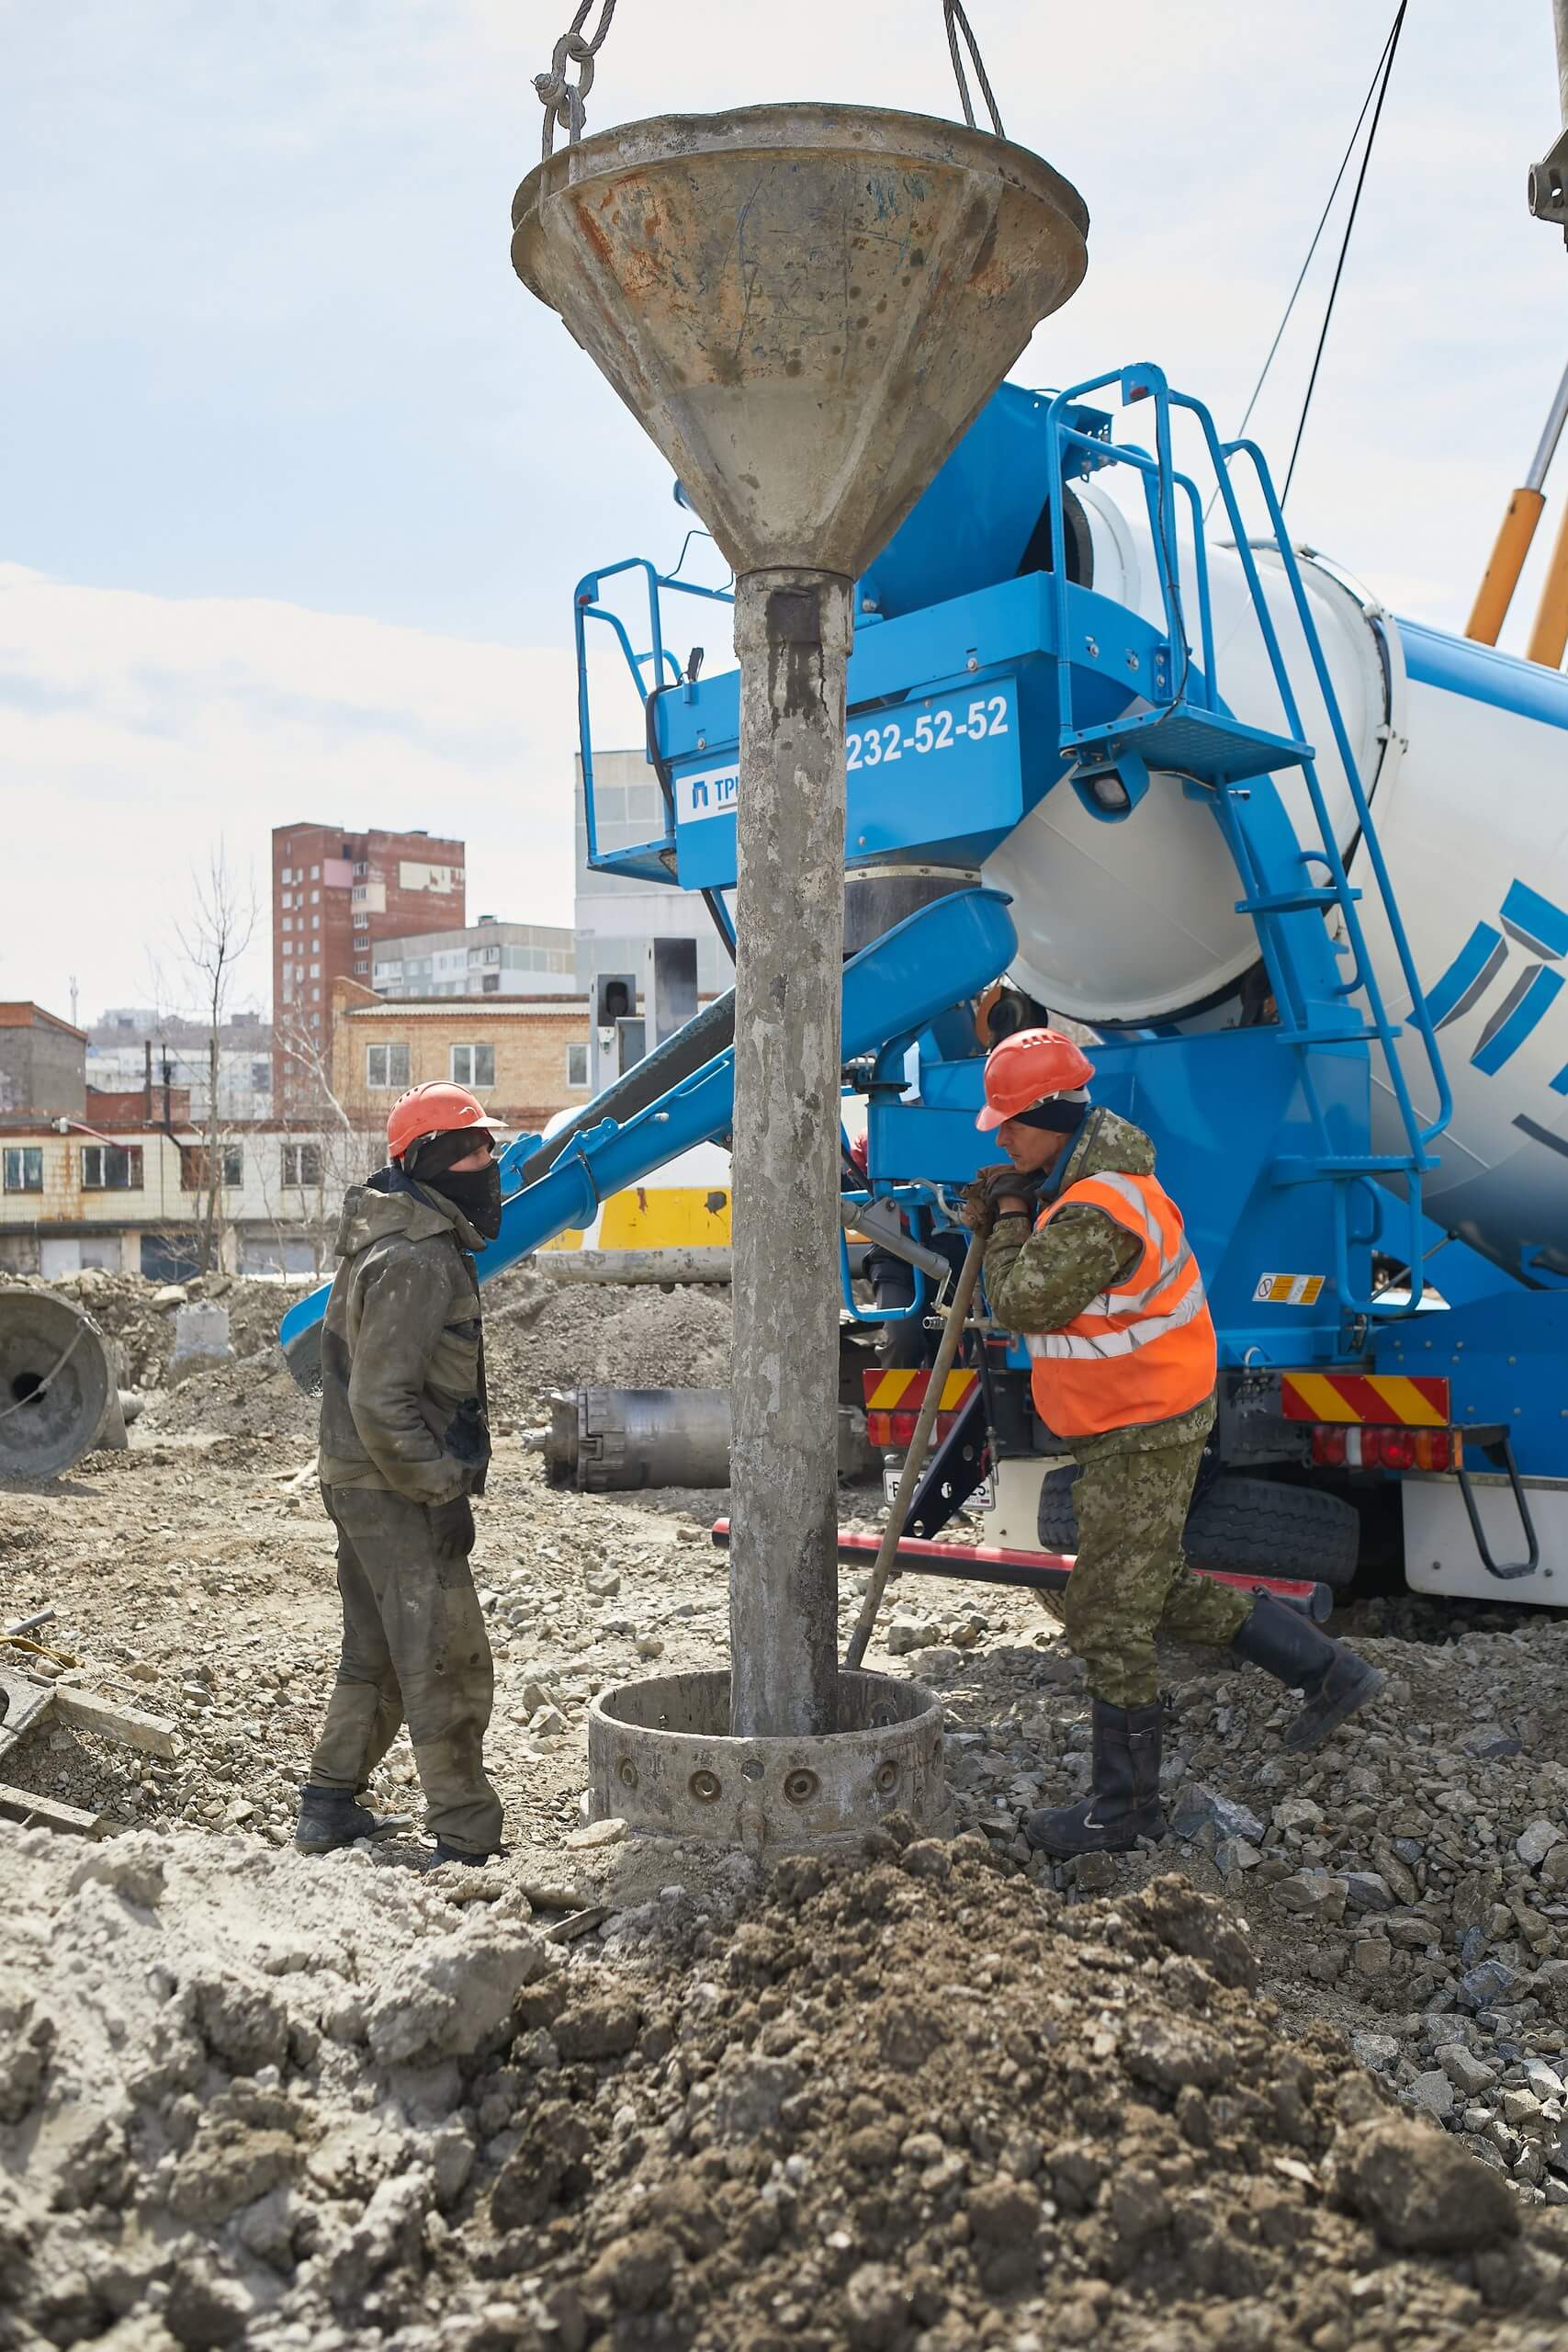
{"points": [[662, 1759], [59, 1388]]}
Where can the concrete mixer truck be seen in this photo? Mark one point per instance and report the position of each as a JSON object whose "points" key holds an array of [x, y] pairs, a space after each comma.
{"points": [[1300, 869]]}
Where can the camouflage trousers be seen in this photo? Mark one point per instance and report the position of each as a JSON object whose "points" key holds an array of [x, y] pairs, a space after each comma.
{"points": [[415, 1644], [1131, 1579]]}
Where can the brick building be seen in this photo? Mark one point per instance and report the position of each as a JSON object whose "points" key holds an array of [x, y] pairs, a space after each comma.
{"points": [[42, 1062], [526, 1057], [334, 895]]}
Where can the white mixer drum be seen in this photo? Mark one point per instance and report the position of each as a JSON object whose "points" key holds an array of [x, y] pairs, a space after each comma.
{"points": [[1134, 921]]}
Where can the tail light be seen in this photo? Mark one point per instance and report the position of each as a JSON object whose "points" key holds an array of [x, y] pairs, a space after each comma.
{"points": [[1371, 1447], [888, 1431]]}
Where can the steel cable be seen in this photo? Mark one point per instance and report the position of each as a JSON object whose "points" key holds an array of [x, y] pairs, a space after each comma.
{"points": [[957, 22]]}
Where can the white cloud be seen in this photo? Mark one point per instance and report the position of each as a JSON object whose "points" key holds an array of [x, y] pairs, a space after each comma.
{"points": [[138, 731]]}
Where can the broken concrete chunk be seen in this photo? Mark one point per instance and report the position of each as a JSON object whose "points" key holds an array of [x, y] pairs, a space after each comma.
{"points": [[451, 1998], [1420, 2192]]}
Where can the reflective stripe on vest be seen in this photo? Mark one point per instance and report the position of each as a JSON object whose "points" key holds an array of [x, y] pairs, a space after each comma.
{"points": [[1154, 1334]]}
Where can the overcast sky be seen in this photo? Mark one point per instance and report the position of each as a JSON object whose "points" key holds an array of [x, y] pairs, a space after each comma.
{"points": [[295, 479]]}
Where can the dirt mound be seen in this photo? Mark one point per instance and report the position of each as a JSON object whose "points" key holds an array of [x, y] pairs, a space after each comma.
{"points": [[126, 1308], [541, 1335], [916, 2105], [257, 1397]]}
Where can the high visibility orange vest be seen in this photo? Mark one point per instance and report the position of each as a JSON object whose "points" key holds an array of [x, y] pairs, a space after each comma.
{"points": [[1142, 1351]]}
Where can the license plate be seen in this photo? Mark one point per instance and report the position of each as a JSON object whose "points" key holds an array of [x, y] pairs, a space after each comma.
{"points": [[983, 1499]]}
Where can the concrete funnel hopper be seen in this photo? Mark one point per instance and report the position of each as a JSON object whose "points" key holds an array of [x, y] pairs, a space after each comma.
{"points": [[804, 306]]}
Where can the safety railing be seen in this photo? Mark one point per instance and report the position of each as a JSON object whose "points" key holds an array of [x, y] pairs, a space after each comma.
{"points": [[652, 670], [1190, 716]]}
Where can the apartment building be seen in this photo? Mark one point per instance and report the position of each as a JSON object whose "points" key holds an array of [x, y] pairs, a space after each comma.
{"points": [[132, 1045], [527, 1058], [335, 895], [490, 958]]}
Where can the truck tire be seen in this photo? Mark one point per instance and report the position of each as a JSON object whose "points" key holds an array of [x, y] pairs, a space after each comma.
{"points": [[1257, 1525]]}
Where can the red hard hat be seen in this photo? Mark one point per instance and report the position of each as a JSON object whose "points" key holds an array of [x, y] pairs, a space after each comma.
{"points": [[435, 1109], [1028, 1068]]}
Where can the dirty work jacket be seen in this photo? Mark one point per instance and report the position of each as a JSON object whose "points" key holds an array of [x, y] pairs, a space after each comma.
{"points": [[403, 1359], [1041, 1282]]}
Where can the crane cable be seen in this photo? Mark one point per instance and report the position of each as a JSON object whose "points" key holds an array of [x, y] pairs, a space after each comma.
{"points": [[957, 22], [1386, 68], [1376, 90]]}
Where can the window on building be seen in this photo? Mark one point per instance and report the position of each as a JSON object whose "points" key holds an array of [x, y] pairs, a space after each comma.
{"points": [[361, 869], [386, 1066], [315, 971], [196, 1160], [111, 1168], [315, 895], [315, 876], [301, 1166], [577, 1065], [285, 876], [261, 1078], [24, 1167], [361, 922], [489, 984], [473, 1066], [362, 965]]}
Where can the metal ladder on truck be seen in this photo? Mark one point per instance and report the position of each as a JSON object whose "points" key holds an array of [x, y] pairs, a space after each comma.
{"points": [[1290, 885]]}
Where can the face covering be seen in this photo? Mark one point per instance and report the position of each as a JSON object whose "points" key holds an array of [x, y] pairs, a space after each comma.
{"points": [[476, 1192]]}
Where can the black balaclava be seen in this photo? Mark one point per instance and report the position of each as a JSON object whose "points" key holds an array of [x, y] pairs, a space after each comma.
{"points": [[477, 1192]]}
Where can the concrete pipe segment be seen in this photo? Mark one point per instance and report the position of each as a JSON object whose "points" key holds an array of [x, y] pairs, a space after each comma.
{"points": [[59, 1392], [662, 1759]]}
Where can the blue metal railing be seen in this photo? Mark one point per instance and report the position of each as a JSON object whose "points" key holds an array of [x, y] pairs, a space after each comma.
{"points": [[655, 667], [1222, 755]]}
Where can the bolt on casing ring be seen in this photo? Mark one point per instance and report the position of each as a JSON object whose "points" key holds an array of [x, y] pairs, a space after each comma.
{"points": [[887, 1776], [801, 1785], [704, 1786], [625, 1772]]}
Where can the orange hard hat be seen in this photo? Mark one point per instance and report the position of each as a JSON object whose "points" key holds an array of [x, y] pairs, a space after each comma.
{"points": [[1028, 1068], [435, 1109]]}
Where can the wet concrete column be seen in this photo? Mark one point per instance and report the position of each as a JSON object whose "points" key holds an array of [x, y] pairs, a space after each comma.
{"points": [[792, 634]]}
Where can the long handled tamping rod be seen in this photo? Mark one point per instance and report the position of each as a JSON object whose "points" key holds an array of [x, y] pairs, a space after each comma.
{"points": [[914, 1461]]}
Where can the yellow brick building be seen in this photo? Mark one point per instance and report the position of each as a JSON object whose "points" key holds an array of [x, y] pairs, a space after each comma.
{"points": [[526, 1057]]}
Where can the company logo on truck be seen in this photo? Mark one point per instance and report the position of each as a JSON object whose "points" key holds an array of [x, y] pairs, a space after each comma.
{"points": [[1529, 923]]}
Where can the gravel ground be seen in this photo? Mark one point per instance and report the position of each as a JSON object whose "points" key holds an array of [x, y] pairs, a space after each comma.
{"points": [[1403, 1895]]}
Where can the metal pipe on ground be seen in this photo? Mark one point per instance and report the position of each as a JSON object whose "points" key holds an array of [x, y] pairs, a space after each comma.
{"points": [[665, 1266], [1043, 1571], [612, 1441]]}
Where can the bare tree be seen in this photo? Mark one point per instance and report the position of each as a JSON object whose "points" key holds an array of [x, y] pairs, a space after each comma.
{"points": [[213, 942], [346, 1147]]}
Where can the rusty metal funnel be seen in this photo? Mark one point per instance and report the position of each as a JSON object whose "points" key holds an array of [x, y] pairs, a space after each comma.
{"points": [[804, 306]]}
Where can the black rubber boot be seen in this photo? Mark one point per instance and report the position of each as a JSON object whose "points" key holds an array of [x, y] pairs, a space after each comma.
{"points": [[1299, 1653], [331, 1817], [1122, 1804], [446, 1853]]}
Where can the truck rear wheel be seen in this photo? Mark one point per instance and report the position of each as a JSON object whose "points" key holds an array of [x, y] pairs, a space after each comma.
{"points": [[1256, 1526]]}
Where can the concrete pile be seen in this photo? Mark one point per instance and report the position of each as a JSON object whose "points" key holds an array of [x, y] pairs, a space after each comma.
{"points": [[915, 2104]]}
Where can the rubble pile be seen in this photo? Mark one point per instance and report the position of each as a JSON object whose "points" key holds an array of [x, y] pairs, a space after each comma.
{"points": [[1411, 1877], [914, 2104], [138, 1314], [541, 1335]]}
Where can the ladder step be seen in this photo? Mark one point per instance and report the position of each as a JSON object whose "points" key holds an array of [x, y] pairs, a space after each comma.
{"points": [[1336, 1165], [1294, 902], [1359, 1037]]}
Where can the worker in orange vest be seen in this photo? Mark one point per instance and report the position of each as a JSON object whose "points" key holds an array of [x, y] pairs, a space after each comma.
{"points": [[1109, 1296]]}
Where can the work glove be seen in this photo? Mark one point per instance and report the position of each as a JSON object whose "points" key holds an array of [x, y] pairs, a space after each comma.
{"points": [[992, 1185], [452, 1527]]}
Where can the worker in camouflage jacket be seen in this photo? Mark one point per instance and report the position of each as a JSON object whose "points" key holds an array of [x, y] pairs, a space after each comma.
{"points": [[1087, 1259], [405, 1446]]}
